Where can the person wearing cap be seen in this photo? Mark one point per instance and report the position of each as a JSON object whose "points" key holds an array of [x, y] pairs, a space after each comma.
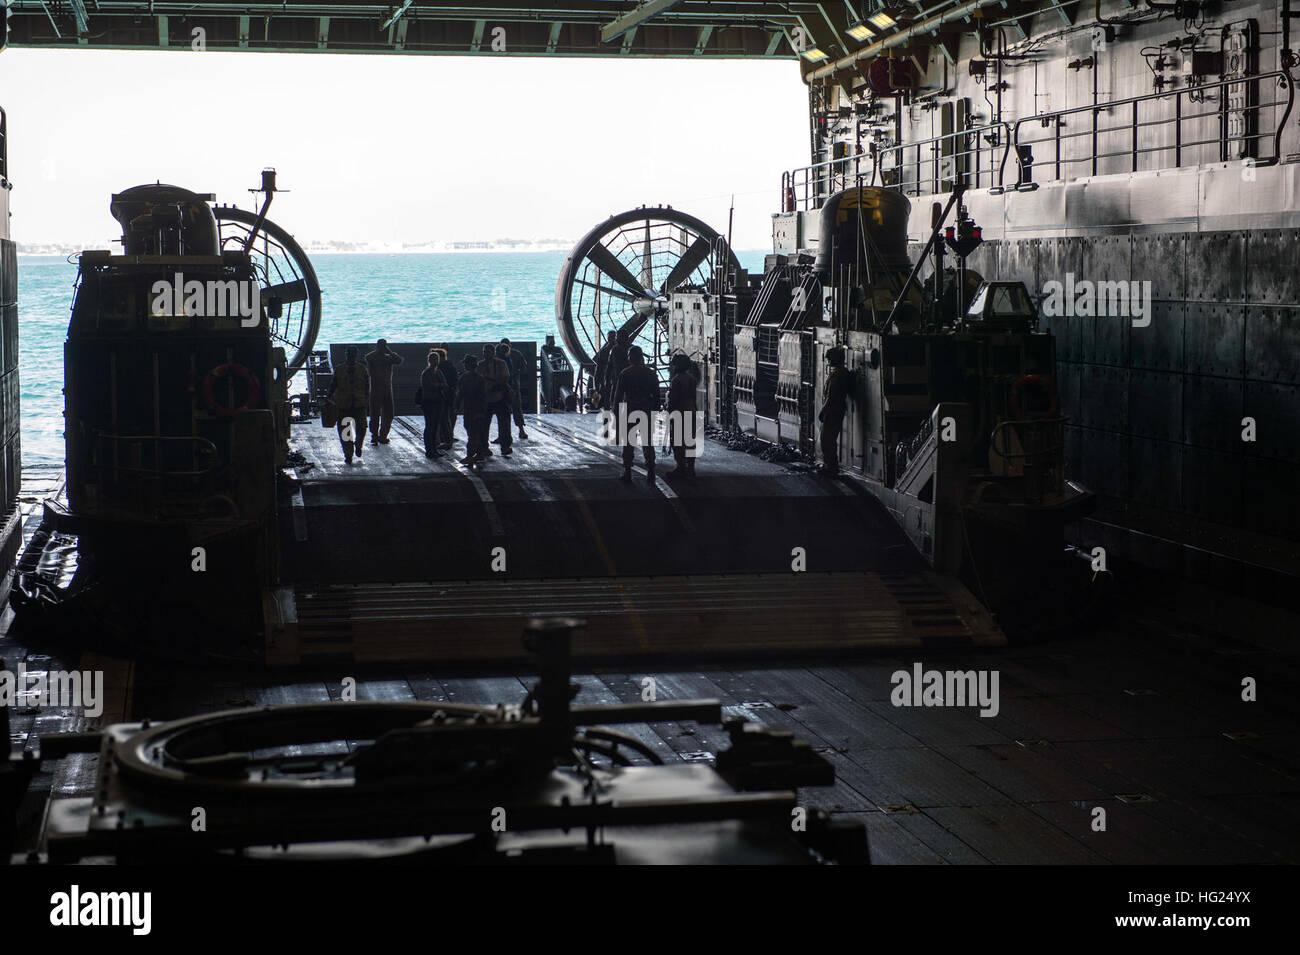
{"points": [[835, 403], [518, 365], [381, 363], [637, 391], [496, 380]]}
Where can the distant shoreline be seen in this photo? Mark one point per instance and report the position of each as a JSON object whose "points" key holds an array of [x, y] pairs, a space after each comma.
{"points": [[496, 250], [63, 254]]}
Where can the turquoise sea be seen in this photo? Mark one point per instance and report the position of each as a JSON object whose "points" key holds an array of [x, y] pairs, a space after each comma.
{"points": [[402, 297]]}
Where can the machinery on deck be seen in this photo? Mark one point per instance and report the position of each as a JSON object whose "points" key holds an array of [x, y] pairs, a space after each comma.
{"points": [[436, 782], [955, 421], [177, 364], [618, 280]]}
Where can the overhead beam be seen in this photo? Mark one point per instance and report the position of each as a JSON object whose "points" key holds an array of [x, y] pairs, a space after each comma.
{"points": [[396, 14], [949, 45], [79, 16], [703, 40], [634, 18]]}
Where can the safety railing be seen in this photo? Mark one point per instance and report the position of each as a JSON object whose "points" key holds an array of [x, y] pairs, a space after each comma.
{"points": [[917, 168], [1040, 458], [1117, 136]]}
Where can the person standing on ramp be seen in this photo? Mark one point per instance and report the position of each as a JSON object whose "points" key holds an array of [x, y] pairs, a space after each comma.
{"points": [[433, 392], [834, 404], [349, 392], [636, 399], [381, 362]]}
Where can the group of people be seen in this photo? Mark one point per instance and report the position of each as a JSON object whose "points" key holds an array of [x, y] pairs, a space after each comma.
{"points": [[363, 391], [611, 361], [487, 387], [636, 386], [490, 387], [636, 389]]}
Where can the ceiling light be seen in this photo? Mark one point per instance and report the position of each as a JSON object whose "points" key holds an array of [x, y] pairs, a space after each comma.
{"points": [[860, 31]]}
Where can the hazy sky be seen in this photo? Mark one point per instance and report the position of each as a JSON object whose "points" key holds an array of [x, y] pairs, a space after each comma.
{"points": [[400, 148]]}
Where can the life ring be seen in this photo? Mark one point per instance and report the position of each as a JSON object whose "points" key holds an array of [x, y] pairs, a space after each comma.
{"points": [[239, 371], [1039, 381]]}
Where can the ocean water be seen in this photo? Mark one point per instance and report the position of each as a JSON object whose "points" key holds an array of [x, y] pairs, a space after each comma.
{"points": [[401, 297]]}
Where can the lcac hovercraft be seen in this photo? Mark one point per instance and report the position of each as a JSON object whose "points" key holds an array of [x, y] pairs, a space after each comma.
{"points": [[177, 364]]}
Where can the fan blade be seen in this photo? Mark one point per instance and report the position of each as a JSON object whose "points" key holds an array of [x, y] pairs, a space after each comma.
{"points": [[286, 292], [625, 296], [647, 260], [604, 260], [632, 327], [688, 263]]}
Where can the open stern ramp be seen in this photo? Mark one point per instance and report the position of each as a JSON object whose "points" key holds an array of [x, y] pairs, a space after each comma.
{"points": [[403, 557]]}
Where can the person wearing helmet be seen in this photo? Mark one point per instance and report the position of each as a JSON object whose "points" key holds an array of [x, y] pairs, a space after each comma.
{"points": [[637, 391], [835, 403]]}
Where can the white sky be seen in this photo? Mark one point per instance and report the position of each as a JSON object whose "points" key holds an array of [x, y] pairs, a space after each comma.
{"points": [[400, 148]]}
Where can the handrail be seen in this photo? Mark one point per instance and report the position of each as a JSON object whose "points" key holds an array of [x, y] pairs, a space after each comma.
{"points": [[818, 178], [1032, 426], [154, 438], [1133, 125], [826, 172]]}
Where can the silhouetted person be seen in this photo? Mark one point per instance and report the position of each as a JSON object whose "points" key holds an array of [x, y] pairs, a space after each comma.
{"points": [[681, 400], [350, 392], [496, 382], [448, 369], [381, 362], [471, 401], [519, 367], [834, 403], [604, 377], [637, 391], [618, 360], [433, 395]]}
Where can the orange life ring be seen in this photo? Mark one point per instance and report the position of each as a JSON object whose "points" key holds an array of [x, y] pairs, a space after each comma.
{"points": [[1042, 381], [239, 371]]}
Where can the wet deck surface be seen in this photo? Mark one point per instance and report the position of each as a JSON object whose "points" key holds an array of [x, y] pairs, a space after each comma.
{"points": [[559, 510]]}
